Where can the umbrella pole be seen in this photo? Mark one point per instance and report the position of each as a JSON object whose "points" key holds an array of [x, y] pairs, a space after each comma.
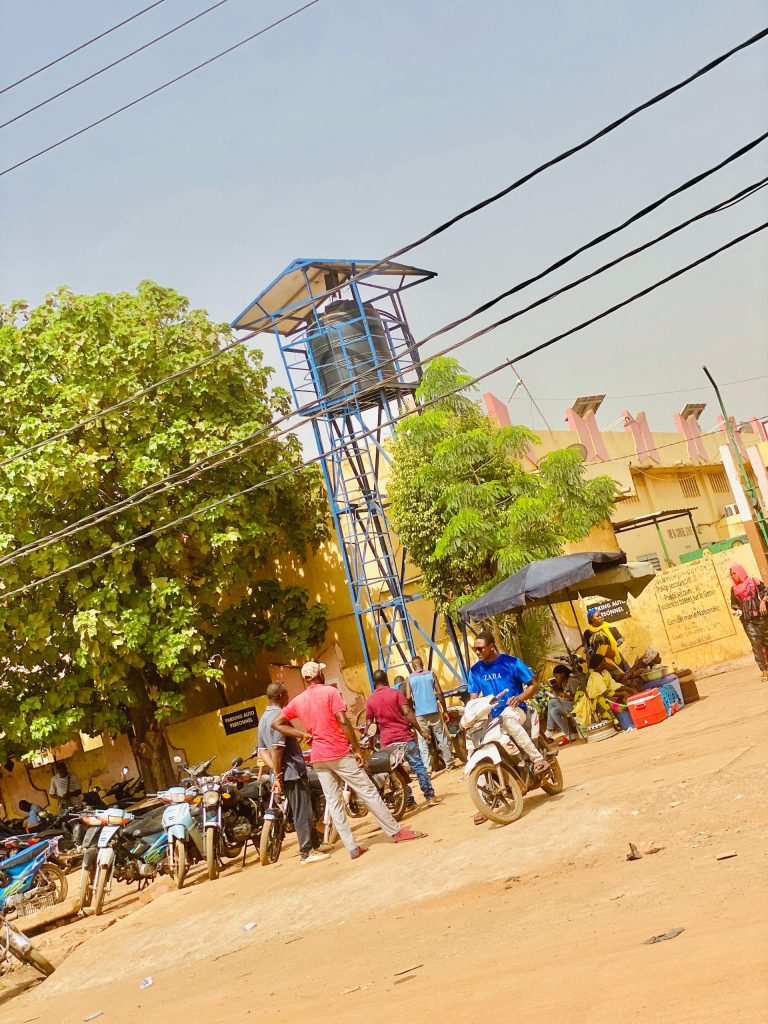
{"points": [[560, 630]]}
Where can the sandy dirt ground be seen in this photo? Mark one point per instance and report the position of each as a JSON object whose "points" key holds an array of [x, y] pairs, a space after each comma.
{"points": [[542, 920]]}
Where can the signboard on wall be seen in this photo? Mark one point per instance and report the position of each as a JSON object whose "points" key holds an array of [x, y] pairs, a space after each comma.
{"points": [[240, 721], [612, 611], [692, 605]]}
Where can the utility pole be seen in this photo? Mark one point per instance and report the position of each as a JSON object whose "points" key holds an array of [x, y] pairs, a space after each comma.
{"points": [[757, 535]]}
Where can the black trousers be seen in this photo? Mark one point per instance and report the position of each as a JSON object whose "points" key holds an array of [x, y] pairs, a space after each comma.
{"points": [[300, 799], [757, 631]]}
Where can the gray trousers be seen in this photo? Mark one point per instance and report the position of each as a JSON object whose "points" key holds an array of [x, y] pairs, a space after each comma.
{"points": [[333, 775], [300, 799], [437, 725]]}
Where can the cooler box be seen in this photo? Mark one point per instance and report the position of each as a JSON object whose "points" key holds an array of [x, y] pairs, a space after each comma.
{"points": [[672, 701], [647, 708]]}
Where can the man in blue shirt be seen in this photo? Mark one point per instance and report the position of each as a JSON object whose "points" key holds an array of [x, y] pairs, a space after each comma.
{"points": [[495, 672], [423, 690]]}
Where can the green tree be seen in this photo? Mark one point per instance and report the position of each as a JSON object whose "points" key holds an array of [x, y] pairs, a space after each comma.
{"points": [[465, 507], [119, 643]]}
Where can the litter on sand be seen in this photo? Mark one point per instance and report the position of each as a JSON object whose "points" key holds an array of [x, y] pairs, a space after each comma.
{"points": [[671, 934], [146, 982], [727, 855], [634, 853], [93, 1016], [408, 970], [249, 926]]}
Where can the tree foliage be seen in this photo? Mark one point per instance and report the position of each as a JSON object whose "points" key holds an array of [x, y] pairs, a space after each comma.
{"points": [[462, 502], [122, 640]]}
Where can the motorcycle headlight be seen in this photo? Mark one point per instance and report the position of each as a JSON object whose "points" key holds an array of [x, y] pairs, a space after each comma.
{"points": [[211, 798]]}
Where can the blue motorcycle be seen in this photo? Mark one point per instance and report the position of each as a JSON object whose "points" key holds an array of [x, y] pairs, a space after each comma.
{"points": [[186, 844], [29, 881]]}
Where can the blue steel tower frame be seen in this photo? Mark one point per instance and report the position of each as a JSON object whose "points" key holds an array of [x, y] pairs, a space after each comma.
{"points": [[353, 367]]}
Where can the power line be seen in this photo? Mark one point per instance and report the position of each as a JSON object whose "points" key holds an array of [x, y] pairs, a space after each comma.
{"points": [[82, 46], [194, 470], [108, 67], [165, 85], [660, 394], [488, 373], [117, 406]]}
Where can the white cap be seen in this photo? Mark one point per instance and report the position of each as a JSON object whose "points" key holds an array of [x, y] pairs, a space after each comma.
{"points": [[311, 669]]}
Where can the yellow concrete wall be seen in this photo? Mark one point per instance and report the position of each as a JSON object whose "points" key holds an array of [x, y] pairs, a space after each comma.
{"points": [[196, 739]]}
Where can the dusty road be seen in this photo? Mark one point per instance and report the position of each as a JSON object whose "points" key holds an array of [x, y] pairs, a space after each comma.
{"points": [[542, 920]]}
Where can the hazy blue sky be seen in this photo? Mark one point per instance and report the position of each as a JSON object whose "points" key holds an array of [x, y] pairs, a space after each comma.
{"points": [[357, 126]]}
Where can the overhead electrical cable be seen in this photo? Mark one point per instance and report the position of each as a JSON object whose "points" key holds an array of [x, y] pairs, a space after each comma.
{"points": [[82, 46], [265, 436], [160, 88], [191, 367], [308, 462], [113, 64]]}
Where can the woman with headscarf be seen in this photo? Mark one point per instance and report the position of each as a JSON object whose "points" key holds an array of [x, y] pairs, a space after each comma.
{"points": [[749, 600], [599, 639]]}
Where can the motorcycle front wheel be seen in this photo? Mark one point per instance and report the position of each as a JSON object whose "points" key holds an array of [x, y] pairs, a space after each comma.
{"points": [[50, 877], [100, 888], [395, 796], [496, 793], [552, 783], [212, 853], [271, 842], [179, 863]]}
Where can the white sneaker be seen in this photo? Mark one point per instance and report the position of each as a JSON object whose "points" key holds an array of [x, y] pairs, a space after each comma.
{"points": [[315, 857]]}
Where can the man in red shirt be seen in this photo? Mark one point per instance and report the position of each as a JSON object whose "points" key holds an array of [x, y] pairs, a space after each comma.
{"points": [[321, 709], [397, 723]]}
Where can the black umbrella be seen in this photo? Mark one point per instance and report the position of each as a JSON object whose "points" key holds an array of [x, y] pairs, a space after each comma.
{"points": [[542, 583]]}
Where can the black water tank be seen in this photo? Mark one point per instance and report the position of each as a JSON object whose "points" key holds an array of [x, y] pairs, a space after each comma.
{"points": [[344, 352]]}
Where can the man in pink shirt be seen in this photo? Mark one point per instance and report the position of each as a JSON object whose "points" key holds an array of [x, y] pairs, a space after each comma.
{"points": [[336, 755]]}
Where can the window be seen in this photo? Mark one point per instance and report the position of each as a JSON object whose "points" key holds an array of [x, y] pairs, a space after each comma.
{"points": [[651, 558], [719, 482], [688, 485]]}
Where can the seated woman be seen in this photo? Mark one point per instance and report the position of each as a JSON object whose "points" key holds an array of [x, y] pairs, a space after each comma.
{"points": [[560, 705]]}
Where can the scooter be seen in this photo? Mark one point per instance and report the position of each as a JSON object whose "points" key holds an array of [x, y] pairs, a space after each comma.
{"points": [[498, 775], [14, 943], [29, 882], [185, 839]]}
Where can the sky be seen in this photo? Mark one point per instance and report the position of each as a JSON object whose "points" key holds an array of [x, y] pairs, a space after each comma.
{"points": [[356, 127]]}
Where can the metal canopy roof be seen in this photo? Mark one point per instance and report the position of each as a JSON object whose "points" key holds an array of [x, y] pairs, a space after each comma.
{"points": [[652, 518], [291, 295]]}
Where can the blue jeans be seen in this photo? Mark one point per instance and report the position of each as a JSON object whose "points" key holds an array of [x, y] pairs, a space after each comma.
{"points": [[413, 757], [557, 717]]}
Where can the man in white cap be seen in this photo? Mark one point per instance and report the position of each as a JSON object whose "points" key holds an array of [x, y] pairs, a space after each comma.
{"points": [[336, 755]]}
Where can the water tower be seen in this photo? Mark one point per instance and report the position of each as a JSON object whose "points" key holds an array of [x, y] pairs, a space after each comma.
{"points": [[350, 358]]}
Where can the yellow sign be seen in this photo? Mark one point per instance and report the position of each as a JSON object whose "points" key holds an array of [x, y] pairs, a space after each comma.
{"points": [[692, 605]]}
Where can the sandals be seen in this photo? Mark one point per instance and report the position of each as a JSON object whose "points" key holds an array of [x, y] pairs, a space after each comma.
{"points": [[358, 852], [405, 835]]}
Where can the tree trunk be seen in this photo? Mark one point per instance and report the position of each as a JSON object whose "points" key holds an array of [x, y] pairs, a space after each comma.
{"points": [[148, 743]]}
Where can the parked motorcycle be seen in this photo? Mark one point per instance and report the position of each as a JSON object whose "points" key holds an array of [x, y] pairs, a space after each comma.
{"points": [[29, 881], [498, 774], [116, 846], [245, 799], [14, 943], [186, 843]]}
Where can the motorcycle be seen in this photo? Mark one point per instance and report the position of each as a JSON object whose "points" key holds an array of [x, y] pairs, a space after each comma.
{"points": [[14, 943], [498, 775], [29, 881], [116, 846], [245, 799]]}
